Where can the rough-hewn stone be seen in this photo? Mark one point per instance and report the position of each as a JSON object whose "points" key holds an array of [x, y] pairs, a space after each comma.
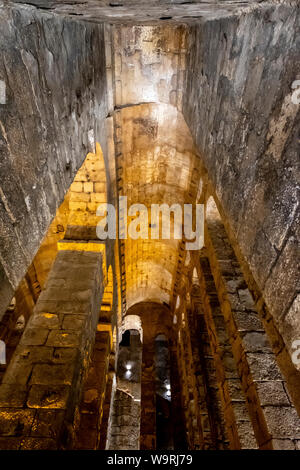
{"points": [[46, 371], [238, 104], [55, 94]]}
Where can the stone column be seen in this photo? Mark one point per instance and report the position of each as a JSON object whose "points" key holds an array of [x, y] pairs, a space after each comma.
{"points": [[236, 416], [41, 387], [179, 434], [108, 402], [213, 429], [88, 432], [275, 420]]}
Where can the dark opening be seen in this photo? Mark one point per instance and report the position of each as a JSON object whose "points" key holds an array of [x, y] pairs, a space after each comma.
{"points": [[125, 339]]}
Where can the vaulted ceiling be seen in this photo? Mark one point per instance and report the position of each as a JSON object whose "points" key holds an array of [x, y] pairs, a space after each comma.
{"points": [[155, 156], [158, 161]]}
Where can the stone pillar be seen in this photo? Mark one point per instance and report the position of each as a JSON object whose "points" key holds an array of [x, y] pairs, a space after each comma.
{"points": [[238, 425], [108, 402], [179, 435], [88, 432], [41, 387], [148, 398], [124, 421], [209, 404], [275, 420], [189, 387]]}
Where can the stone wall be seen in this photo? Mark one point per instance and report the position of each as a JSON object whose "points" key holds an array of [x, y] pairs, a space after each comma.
{"points": [[238, 104], [54, 76], [268, 399], [144, 11]]}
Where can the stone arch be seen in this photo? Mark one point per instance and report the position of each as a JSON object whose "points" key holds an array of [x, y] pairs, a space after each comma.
{"points": [[132, 322], [211, 209], [160, 336], [88, 190]]}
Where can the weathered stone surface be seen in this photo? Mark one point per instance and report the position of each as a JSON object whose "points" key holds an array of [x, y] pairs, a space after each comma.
{"points": [[56, 78], [256, 342], [54, 375], [237, 102], [263, 367], [12, 397], [45, 320], [35, 336], [279, 415], [132, 11], [64, 339], [50, 377], [31, 443], [272, 393], [48, 396], [16, 422]]}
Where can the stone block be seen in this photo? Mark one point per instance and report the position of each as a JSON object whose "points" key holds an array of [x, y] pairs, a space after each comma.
{"points": [[272, 393], [80, 197], [283, 422], [34, 354], [88, 187], [10, 443], [246, 299], [247, 321], [256, 342], [18, 372], [246, 435], [98, 198], [263, 367], [34, 336], [65, 355], [73, 322], [76, 187], [77, 206], [50, 374], [48, 396], [234, 387], [45, 320], [100, 187], [16, 422], [33, 443], [47, 423], [283, 444], [12, 396], [64, 338]]}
